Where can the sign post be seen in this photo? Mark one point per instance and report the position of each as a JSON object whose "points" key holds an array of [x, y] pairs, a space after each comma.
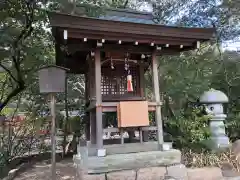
{"points": [[51, 81]]}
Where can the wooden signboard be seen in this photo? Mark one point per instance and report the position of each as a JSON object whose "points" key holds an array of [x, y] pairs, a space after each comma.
{"points": [[133, 114]]}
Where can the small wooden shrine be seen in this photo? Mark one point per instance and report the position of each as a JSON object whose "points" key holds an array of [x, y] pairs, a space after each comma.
{"points": [[114, 51]]}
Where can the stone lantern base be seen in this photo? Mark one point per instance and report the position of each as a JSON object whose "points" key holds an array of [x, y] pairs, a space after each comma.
{"points": [[218, 143]]}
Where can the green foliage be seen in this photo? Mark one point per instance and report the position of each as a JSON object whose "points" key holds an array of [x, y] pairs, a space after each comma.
{"points": [[188, 131], [190, 77], [89, 8], [7, 111], [25, 45], [227, 79], [233, 126], [77, 126], [110, 119], [184, 78]]}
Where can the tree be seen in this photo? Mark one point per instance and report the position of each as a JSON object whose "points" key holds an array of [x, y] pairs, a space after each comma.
{"points": [[24, 45]]}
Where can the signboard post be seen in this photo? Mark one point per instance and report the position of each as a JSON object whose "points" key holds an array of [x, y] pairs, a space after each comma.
{"points": [[51, 81]]}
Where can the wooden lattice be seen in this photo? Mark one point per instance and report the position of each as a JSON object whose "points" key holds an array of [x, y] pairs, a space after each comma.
{"points": [[114, 81]]}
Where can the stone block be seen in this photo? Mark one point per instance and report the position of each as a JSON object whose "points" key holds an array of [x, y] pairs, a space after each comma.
{"points": [[122, 175], [93, 177], [232, 178], [66, 178], [228, 170], [177, 172], [154, 173], [213, 173], [236, 149], [118, 162]]}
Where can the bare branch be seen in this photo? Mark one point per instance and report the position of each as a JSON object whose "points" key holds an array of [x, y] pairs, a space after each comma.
{"points": [[125, 4], [3, 88]]}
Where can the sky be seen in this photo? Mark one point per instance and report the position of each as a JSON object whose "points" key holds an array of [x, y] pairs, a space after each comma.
{"points": [[229, 45], [232, 45]]}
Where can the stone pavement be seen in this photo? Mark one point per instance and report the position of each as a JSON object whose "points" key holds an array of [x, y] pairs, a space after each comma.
{"points": [[66, 171]]}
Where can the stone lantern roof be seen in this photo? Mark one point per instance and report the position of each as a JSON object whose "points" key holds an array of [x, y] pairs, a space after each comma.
{"points": [[213, 97]]}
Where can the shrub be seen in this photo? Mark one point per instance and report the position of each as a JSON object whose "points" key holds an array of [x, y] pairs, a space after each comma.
{"points": [[20, 139], [188, 131], [205, 158], [77, 126], [233, 126]]}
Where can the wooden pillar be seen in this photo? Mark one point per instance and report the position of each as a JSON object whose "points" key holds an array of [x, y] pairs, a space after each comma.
{"points": [[91, 80], [158, 115], [99, 123], [93, 127], [91, 95], [87, 115], [142, 83], [143, 134], [88, 126]]}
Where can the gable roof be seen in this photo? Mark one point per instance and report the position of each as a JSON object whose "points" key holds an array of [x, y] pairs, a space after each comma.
{"points": [[101, 24], [126, 15], [125, 26], [122, 15]]}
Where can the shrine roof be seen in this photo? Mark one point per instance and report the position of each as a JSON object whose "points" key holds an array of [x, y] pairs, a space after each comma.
{"points": [[124, 21], [126, 15], [122, 15], [127, 19]]}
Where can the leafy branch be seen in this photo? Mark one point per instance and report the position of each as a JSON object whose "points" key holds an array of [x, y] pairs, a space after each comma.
{"points": [[27, 10]]}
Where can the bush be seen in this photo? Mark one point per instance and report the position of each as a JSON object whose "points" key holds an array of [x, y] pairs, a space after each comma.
{"points": [[233, 126], [77, 126], [20, 139], [188, 131]]}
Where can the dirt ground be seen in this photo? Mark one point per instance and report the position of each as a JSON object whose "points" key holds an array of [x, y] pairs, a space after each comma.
{"points": [[41, 171]]}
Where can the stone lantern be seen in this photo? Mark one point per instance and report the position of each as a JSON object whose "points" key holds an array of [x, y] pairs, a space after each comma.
{"points": [[213, 101]]}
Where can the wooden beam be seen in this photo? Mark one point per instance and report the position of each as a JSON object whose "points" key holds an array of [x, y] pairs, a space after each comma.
{"points": [[140, 49], [112, 106], [158, 116], [149, 128], [116, 36], [133, 38]]}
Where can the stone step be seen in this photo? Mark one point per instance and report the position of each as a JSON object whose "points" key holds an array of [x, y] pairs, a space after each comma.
{"points": [[208, 173]]}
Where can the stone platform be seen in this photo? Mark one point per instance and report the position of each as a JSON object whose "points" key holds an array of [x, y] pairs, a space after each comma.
{"points": [[125, 148], [132, 161]]}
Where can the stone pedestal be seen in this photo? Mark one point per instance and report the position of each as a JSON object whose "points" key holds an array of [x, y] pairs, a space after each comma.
{"points": [[219, 140]]}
